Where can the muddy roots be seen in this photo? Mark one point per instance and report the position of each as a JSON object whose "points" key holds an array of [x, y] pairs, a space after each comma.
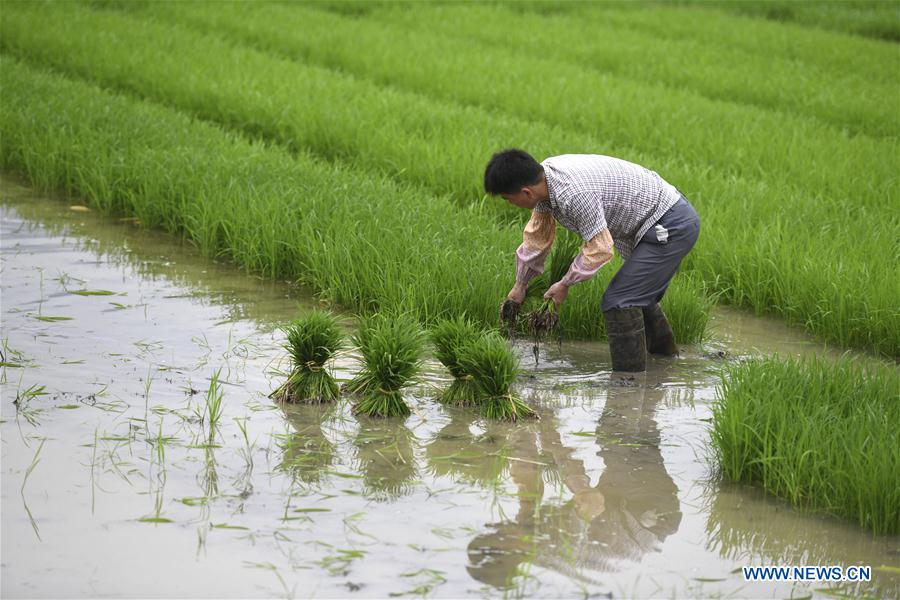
{"points": [[509, 314], [541, 323]]}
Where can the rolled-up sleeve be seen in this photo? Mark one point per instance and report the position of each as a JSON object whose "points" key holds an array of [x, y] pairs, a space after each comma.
{"points": [[537, 239], [595, 253]]}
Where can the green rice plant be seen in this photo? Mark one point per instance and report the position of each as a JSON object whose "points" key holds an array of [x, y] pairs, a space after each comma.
{"points": [[610, 38], [238, 208], [378, 51], [448, 337], [793, 182], [771, 195], [312, 340], [391, 347], [877, 20], [822, 434], [494, 368], [214, 403]]}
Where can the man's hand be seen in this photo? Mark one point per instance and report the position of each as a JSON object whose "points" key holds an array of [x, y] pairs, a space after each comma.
{"points": [[557, 292], [517, 294]]}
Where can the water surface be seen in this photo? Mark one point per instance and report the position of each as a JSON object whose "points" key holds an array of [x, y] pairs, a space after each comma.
{"points": [[114, 484]]}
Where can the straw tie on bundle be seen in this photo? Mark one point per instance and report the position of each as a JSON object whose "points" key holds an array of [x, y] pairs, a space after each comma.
{"points": [[311, 341], [391, 348], [494, 368]]}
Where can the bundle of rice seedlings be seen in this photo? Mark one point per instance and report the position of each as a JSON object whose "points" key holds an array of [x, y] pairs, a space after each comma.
{"points": [[494, 367], [448, 337], [391, 349], [311, 341], [541, 322]]}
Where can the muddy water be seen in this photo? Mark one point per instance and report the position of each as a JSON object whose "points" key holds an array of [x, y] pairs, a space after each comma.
{"points": [[114, 484]]}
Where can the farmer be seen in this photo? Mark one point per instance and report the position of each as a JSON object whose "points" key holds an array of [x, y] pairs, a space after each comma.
{"points": [[608, 202]]}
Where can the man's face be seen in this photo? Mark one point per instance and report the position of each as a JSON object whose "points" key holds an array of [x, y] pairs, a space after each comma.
{"points": [[524, 198]]}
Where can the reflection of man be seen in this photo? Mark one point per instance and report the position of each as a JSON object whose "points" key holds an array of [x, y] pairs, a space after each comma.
{"points": [[632, 508]]}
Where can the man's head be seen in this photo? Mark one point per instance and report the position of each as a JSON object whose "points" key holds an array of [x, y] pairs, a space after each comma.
{"points": [[517, 177]]}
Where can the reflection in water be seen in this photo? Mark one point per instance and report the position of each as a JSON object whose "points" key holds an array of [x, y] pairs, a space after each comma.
{"points": [[157, 256], [751, 528], [307, 452], [633, 507], [479, 458], [384, 453], [559, 521]]}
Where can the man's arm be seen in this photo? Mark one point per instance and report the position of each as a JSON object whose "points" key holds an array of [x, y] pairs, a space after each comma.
{"points": [[537, 239], [595, 253]]}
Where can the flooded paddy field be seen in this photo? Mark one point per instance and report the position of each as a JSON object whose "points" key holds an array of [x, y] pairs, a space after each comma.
{"points": [[114, 483]]}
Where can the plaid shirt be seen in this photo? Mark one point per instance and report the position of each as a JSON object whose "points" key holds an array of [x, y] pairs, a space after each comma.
{"points": [[590, 193]]}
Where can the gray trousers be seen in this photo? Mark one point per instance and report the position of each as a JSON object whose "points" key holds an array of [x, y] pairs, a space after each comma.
{"points": [[645, 276]]}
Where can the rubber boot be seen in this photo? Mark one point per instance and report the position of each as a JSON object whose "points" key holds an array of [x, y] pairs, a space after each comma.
{"points": [[627, 344], [660, 338]]}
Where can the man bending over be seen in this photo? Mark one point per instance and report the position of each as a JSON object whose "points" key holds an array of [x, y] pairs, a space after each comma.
{"points": [[610, 203]]}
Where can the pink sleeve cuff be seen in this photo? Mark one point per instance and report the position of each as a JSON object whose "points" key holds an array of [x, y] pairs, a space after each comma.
{"points": [[579, 271], [529, 263]]}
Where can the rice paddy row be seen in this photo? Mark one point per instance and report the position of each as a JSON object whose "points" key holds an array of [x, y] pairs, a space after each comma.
{"points": [[821, 434], [873, 19], [605, 46], [824, 51], [748, 252], [363, 242], [705, 130]]}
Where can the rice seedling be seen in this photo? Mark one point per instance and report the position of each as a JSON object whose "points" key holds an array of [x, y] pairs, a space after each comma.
{"points": [[877, 20], [775, 180], [312, 340], [391, 347], [784, 174], [363, 271], [509, 315], [541, 322], [821, 434], [639, 44], [494, 367], [448, 337], [214, 403]]}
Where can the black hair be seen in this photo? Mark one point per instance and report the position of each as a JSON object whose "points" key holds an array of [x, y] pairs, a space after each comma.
{"points": [[509, 171]]}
